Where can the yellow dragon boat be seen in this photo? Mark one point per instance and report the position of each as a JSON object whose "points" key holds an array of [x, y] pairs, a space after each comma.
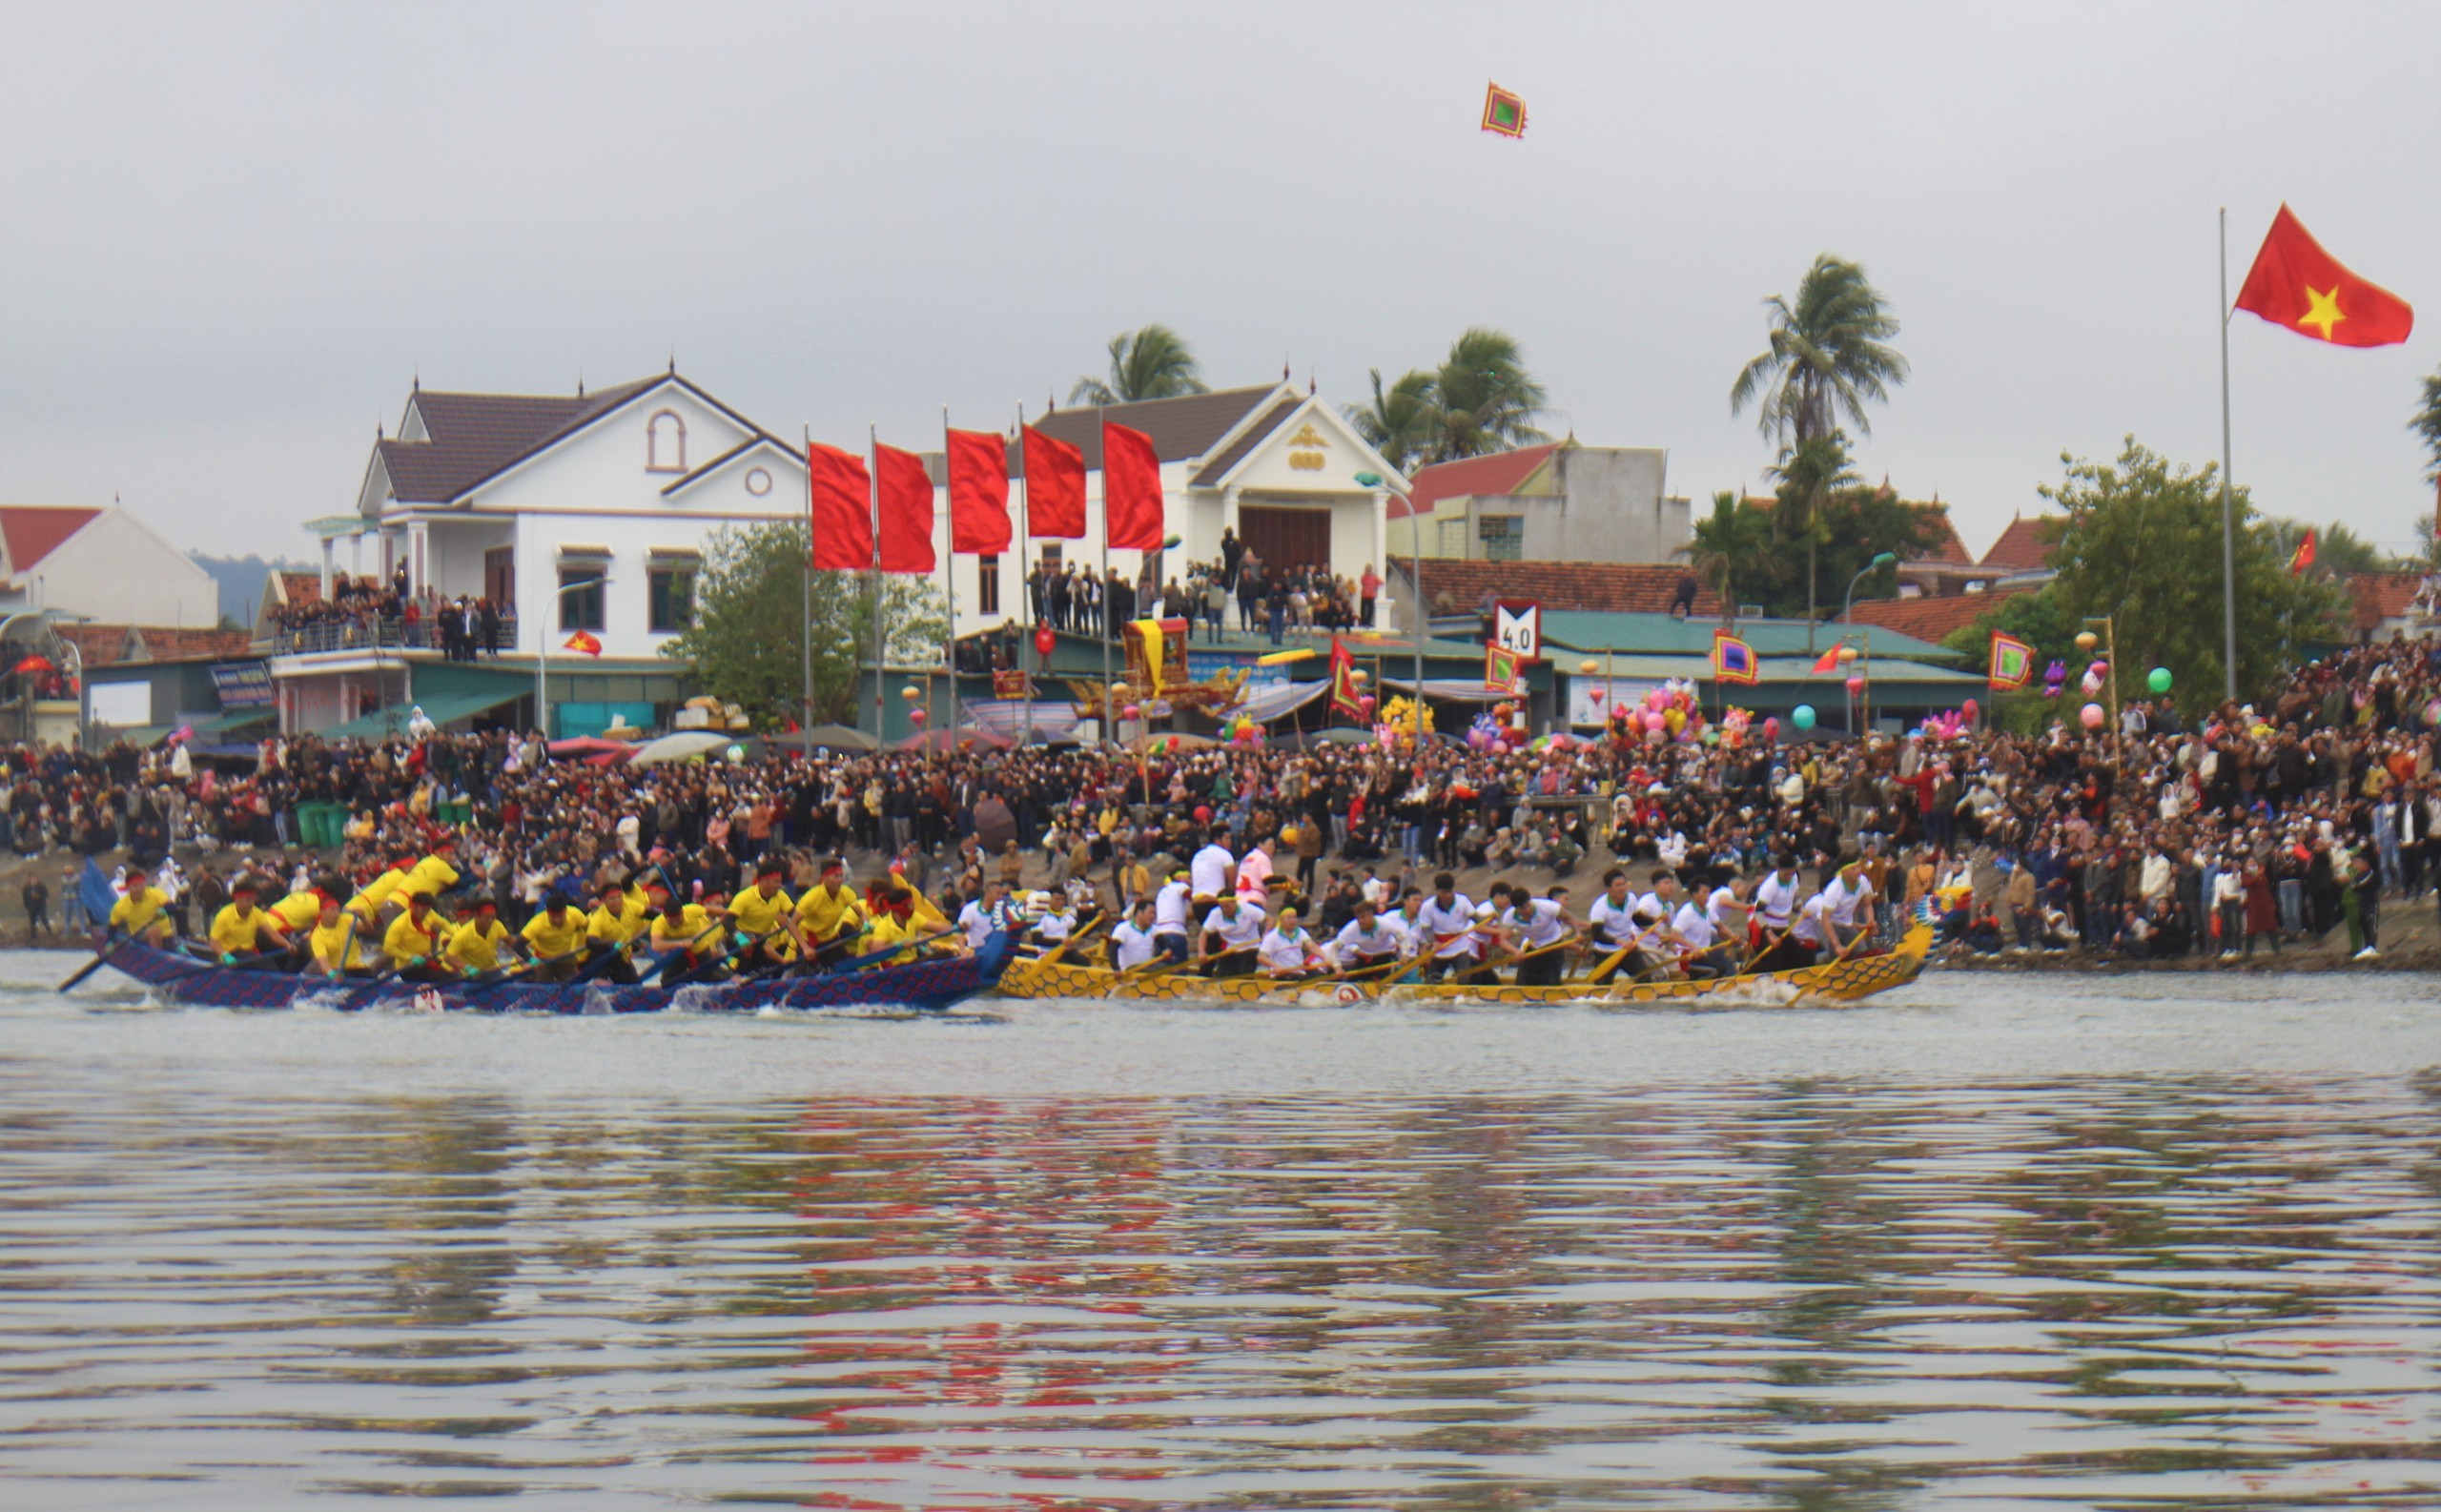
{"points": [[1830, 982]]}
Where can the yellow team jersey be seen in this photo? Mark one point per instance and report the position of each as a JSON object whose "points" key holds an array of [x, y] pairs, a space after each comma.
{"points": [[555, 939], [329, 940], [758, 915], [823, 913], [679, 927], [407, 940], [926, 918], [476, 945], [367, 903], [232, 935], [619, 927], [886, 931], [139, 910], [298, 910], [432, 875]]}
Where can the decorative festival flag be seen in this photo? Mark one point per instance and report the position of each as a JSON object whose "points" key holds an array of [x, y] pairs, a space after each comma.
{"points": [[1504, 113], [1344, 694], [906, 511], [978, 493], [1054, 489], [2012, 662], [2304, 555], [1733, 660], [1501, 671], [1826, 664], [1131, 490], [2295, 283], [842, 510], [583, 643]]}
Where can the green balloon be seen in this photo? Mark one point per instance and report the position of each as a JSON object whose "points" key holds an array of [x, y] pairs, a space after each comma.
{"points": [[1802, 716], [2159, 680]]}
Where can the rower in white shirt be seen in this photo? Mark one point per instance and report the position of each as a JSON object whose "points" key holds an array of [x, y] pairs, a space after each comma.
{"points": [[1286, 951], [1611, 922], [1847, 905], [1213, 872], [1708, 954], [1367, 941], [1134, 943], [979, 919], [1770, 929], [1232, 933], [1445, 922], [1531, 924], [1170, 906]]}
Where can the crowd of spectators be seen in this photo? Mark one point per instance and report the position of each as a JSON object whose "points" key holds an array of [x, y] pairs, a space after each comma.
{"points": [[362, 611]]}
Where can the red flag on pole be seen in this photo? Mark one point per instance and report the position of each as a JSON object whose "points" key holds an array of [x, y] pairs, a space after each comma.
{"points": [[2295, 283], [978, 493], [1827, 663], [842, 510], [1054, 489], [2304, 555], [906, 511], [1131, 490]]}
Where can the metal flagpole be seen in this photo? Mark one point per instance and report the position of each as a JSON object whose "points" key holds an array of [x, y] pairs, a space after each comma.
{"points": [[881, 691], [948, 578], [1025, 582], [805, 628], [2228, 525], [1102, 589]]}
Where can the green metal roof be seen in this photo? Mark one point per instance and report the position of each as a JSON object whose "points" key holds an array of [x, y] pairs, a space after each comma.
{"points": [[443, 711], [1664, 634]]}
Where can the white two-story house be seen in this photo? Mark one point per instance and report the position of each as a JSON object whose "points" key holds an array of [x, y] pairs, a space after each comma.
{"points": [[560, 514]]}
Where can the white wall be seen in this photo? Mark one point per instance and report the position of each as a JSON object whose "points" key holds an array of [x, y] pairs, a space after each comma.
{"points": [[116, 571]]}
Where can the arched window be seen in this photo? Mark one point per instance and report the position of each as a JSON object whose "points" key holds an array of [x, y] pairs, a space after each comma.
{"points": [[665, 443]]}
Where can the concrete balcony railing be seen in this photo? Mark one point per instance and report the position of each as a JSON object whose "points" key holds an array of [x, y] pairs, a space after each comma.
{"points": [[370, 635]]}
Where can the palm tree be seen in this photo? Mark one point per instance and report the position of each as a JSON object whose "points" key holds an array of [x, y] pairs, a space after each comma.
{"points": [[1151, 363], [2427, 425], [1730, 535], [1809, 473], [1402, 422], [1828, 356], [1484, 399]]}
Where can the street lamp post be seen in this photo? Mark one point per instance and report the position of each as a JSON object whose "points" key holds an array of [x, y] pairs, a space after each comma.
{"points": [[543, 653], [1884, 559]]}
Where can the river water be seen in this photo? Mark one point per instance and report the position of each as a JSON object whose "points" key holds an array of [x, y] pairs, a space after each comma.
{"points": [[1990, 1242]]}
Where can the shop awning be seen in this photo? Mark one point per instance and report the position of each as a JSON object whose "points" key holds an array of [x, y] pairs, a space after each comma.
{"points": [[444, 711], [1451, 690], [1276, 699]]}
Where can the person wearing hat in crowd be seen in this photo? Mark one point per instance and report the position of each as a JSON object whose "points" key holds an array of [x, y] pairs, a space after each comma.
{"points": [[553, 938], [1286, 953], [239, 929], [1232, 933], [475, 945], [415, 941], [829, 916], [142, 913]]}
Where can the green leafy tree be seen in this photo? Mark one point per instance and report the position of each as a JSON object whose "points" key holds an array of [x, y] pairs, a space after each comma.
{"points": [[1733, 545], [1153, 362], [2339, 552], [1484, 399], [2427, 427], [1402, 422], [1809, 472], [2038, 620], [2141, 542], [1829, 352], [749, 632]]}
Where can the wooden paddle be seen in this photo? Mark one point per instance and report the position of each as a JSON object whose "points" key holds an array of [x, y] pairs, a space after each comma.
{"points": [[1515, 956], [873, 958], [502, 973], [1050, 958], [101, 958], [661, 958]]}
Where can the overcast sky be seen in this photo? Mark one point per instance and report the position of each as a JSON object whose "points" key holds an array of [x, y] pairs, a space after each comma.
{"points": [[235, 232]]}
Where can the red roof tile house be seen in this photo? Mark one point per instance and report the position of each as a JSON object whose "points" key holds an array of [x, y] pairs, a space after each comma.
{"points": [[1560, 500], [102, 563], [1459, 587]]}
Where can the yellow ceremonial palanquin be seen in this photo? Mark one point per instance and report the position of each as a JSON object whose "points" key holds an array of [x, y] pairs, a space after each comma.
{"points": [[475, 945], [140, 914], [407, 941]]}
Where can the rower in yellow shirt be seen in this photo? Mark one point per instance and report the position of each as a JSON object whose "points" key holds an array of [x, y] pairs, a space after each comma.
{"points": [[829, 915], [474, 946], [436, 873], [299, 911], [142, 914], [890, 927], [616, 923], [334, 944], [241, 929], [369, 899], [415, 941], [766, 916], [553, 937]]}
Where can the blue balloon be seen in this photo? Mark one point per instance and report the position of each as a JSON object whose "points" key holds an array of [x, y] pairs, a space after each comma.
{"points": [[1802, 716]]}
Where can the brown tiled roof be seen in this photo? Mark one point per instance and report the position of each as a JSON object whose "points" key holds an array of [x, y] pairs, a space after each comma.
{"points": [[300, 587], [1559, 586], [110, 644], [2025, 546], [2378, 596], [1931, 619], [31, 532], [1182, 428], [1493, 473], [1270, 420], [1946, 546], [470, 437]]}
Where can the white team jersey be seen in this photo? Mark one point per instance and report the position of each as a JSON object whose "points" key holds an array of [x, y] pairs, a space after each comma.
{"points": [[1808, 929], [1410, 930], [977, 922], [1209, 870], [1841, 904], [1452, 927], [1282, 952], [1725, 911], [1238, 933], [1655, 908], [1776, 901], [1169, 908], [1538, 919], [1694, 926], [1134, 945], [1385, 938], [1056, 927], [1612, 923]]}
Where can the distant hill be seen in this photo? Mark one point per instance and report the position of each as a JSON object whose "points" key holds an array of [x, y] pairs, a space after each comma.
{"points": [[242, 581]]}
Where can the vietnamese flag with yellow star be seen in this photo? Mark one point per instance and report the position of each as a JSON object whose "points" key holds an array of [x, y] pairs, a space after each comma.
{"points": [[2295, 283]]}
